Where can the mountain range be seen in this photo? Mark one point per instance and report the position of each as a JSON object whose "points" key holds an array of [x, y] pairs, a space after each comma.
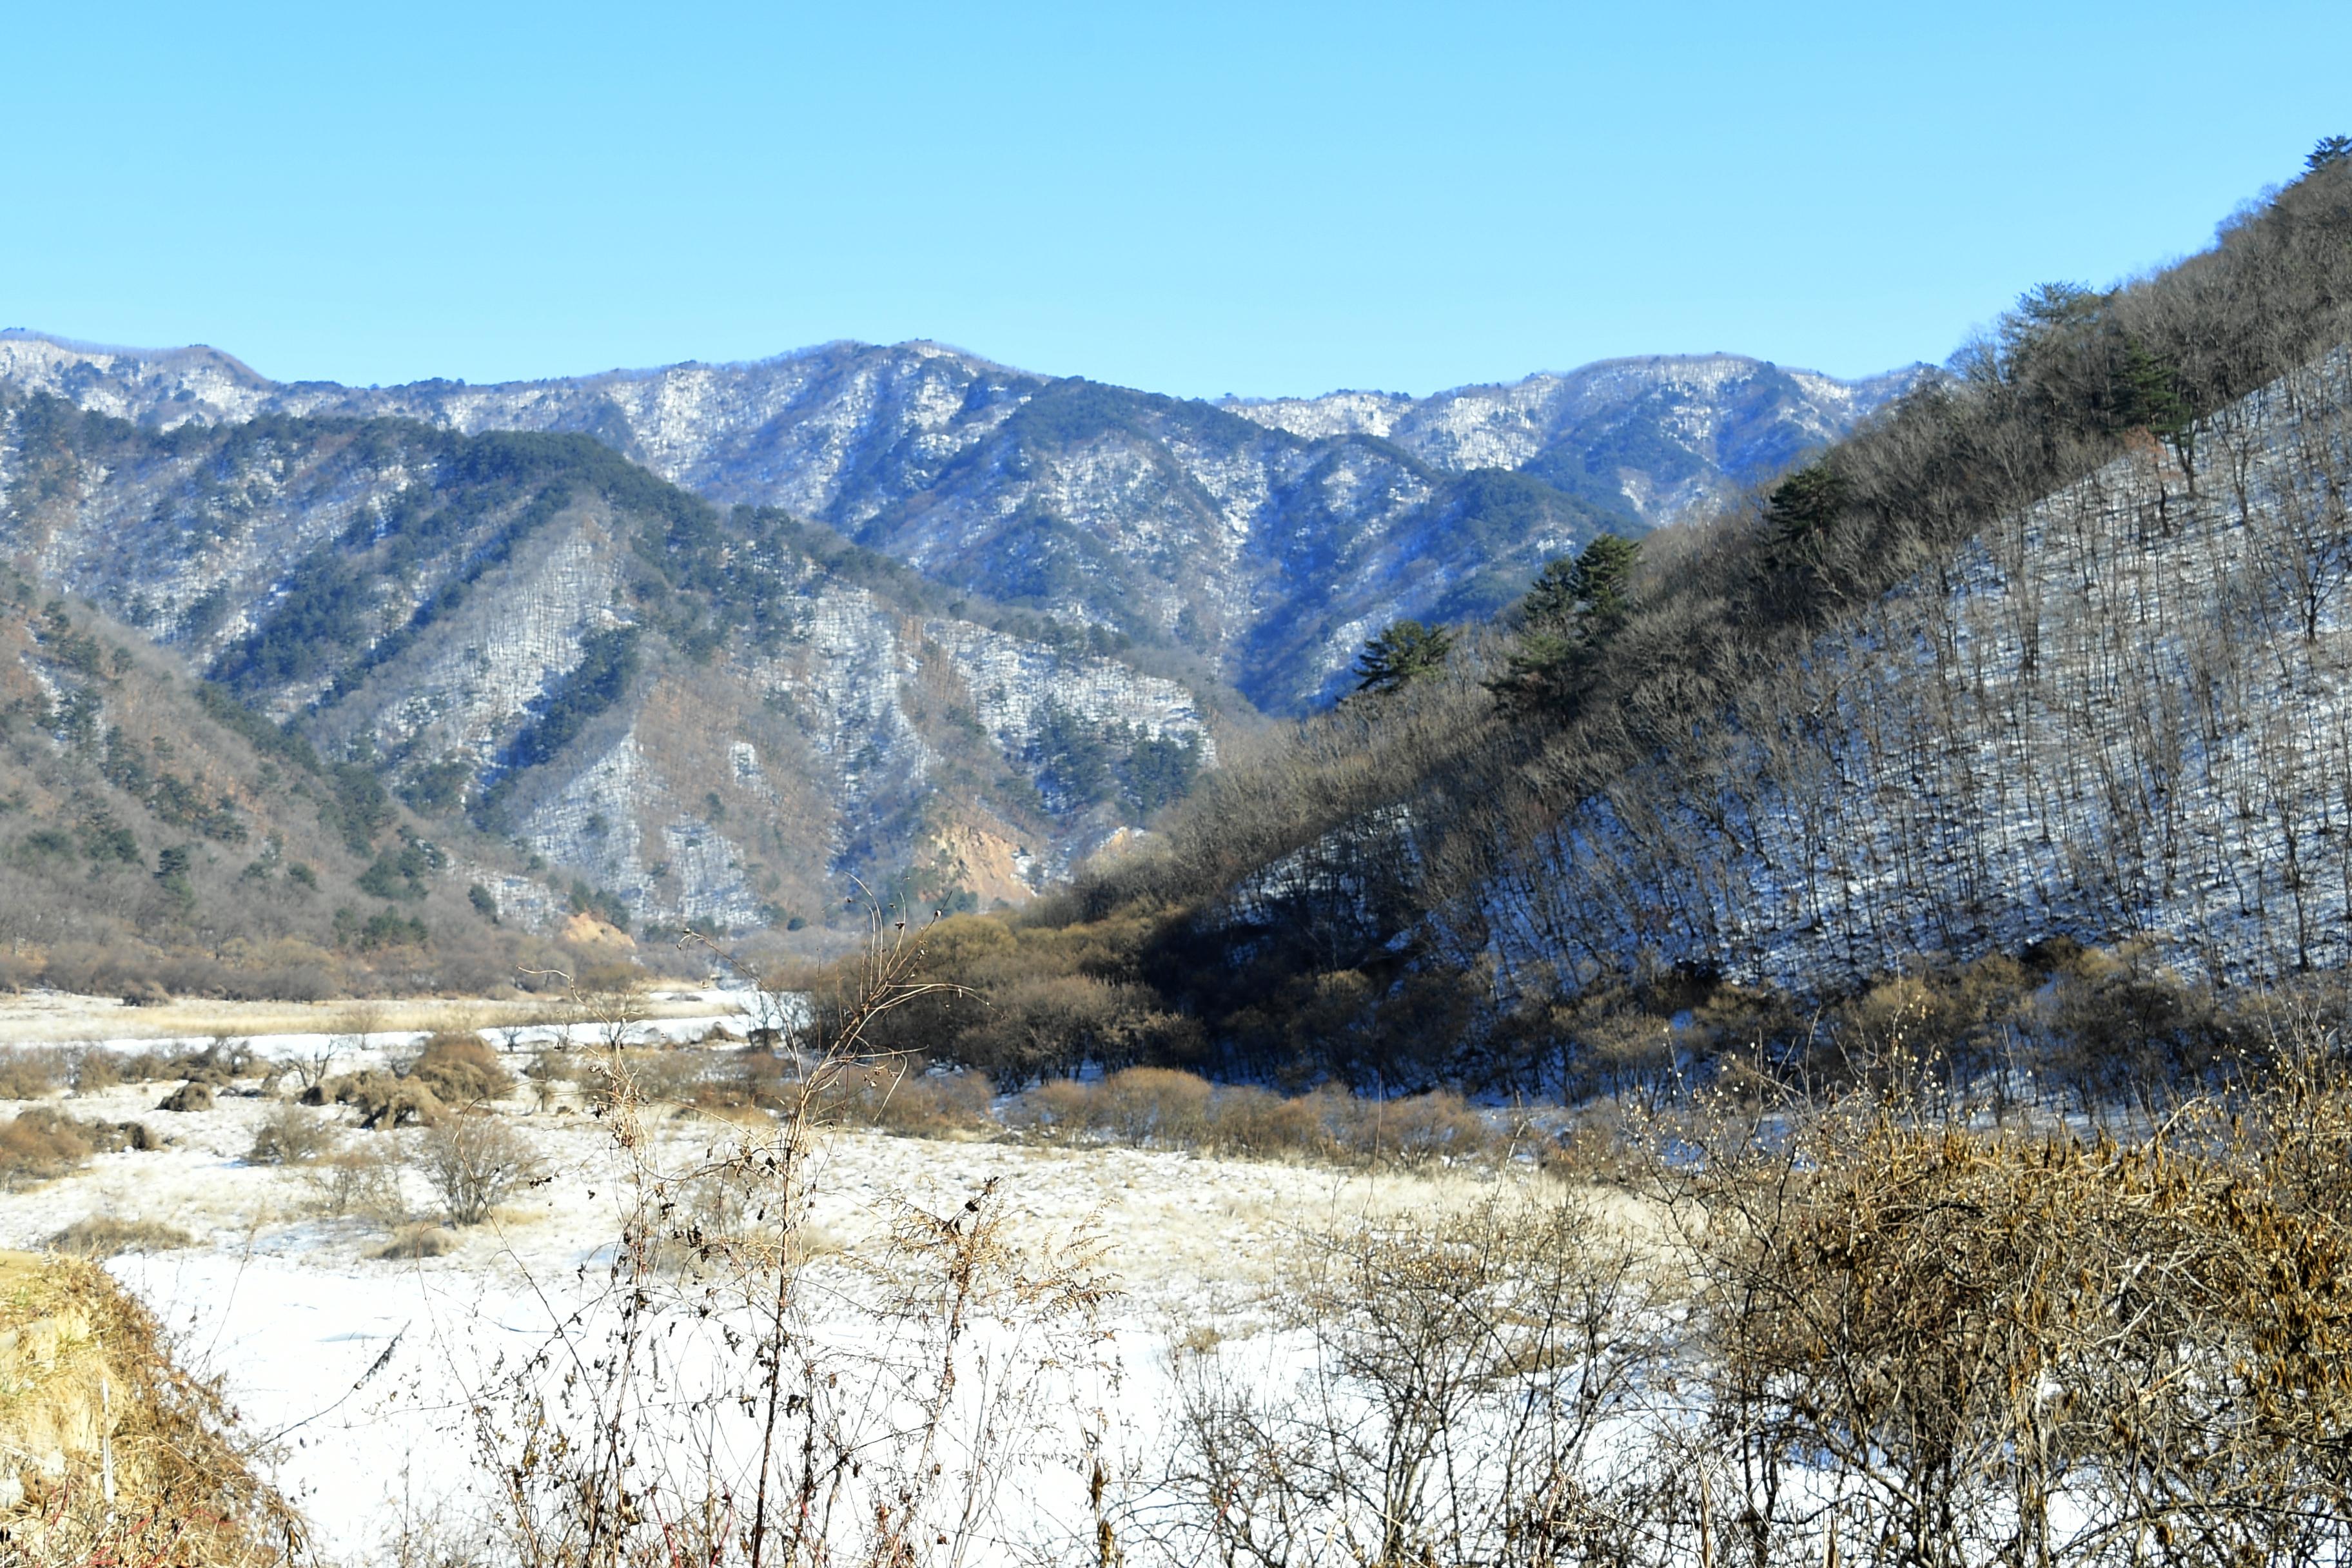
{"points": [[709, 638], [1267, 538]]}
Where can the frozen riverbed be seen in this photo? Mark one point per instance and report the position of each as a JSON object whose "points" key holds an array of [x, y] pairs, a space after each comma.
{"points": [[354, 1370]]}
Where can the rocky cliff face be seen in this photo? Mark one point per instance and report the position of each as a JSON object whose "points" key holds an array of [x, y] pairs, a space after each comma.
{"points": [[1267, 538], [712, 716]]}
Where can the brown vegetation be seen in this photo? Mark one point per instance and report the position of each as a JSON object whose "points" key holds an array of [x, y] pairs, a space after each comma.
{"points": [[290, 1135], [461, 1069], [1164, 1108], [103, 1235], [108, 1452], [475, 1162], [41, 1142], [612, 1448]]}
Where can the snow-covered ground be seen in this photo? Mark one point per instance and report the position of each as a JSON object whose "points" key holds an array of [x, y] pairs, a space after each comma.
{"points": [[352, 1370]]}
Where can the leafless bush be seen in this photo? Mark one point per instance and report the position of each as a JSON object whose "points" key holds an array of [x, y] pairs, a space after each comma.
{"points": [[364, 1182], [97, 1068], [896, 1096], [218, 1063], [290, 1135], [1165, 1108], [475, 1162], [789, 1449], [1458, 1376], [314, 1064], [1417, 1129], [657, 1077], [2045, 1348], [1246, 1120]]}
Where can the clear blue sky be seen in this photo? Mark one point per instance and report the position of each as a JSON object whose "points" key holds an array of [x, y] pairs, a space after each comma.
{"points": [[1263, 198]]}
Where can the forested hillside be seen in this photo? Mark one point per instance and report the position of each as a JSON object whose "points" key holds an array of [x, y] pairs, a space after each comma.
{"points": [[700, 715], [2053, 653], [154, 836]]}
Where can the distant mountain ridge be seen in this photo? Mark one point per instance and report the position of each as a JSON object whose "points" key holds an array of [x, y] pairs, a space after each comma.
{"points": [[1266, 537]]}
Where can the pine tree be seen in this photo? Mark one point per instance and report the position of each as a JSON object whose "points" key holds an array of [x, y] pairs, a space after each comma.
{"points": [[1401, 655], [1573, 610], [2149, 397], [1803, 504], [1601, 583], [1552, 602]]}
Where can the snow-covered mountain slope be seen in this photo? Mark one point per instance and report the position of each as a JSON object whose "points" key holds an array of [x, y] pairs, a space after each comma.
{"points": [[712, 715], [1267, 537]]}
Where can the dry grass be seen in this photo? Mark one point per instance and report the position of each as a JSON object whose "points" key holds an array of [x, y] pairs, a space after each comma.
{"points": [[33, 1071], [416, 1241], [101, 1236], [93, 1389], [461, 1069], [1164, 1108], [42, 1142]]}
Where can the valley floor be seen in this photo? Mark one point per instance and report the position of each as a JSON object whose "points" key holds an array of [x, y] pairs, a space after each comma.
{"points": [[353, 1370]]}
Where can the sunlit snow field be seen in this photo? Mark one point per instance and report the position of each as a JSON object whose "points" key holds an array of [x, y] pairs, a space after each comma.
{"points": [[353, 1372]]}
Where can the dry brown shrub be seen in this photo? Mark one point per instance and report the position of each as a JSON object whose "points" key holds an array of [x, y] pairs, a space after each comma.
{"points": [[290, 1135], [461, 1069], [1145, 1106], [42, 1142], [381, 1099], [102, 1236], [1462, 1374], [1599, 1143], [1408, 1130], [1058, 1108], [221, 1062], [1160, 1106], [666, 1077], [2039, 1347], [1243, 1120], [95, 1068], [363, 1181], [32, 1072], [905, 1098], [475, 1161]]}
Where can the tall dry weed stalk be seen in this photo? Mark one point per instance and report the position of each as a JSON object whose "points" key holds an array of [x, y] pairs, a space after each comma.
{"points": [[771, 1407]]}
